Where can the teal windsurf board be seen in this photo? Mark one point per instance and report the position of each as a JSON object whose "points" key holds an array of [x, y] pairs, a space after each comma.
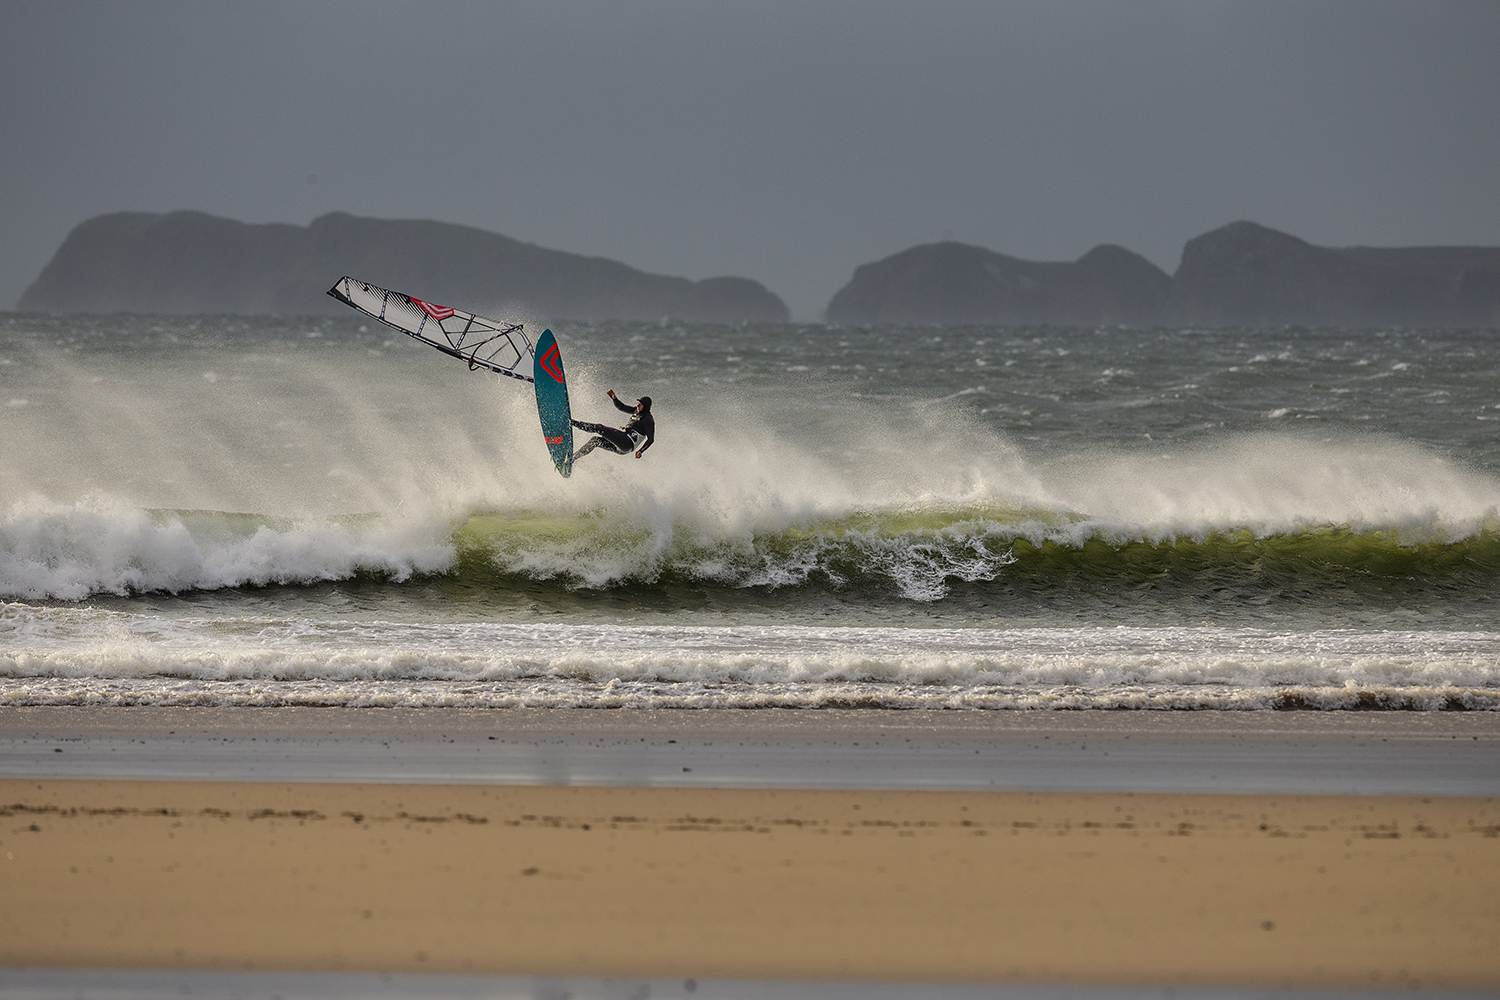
{"points": [[552, 403]]}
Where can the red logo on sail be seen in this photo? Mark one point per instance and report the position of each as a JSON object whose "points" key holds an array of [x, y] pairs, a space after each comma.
{"points": [[436, 312], [553, 363]]}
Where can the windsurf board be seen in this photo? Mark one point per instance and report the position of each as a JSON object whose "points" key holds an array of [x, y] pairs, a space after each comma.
{"points": [[552, 403]]}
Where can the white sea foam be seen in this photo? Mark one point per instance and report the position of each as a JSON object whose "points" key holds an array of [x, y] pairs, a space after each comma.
{"points": [[343, 462], [83, 656], [303, 436], [71, 552], [1275, 483], [708, 519]]}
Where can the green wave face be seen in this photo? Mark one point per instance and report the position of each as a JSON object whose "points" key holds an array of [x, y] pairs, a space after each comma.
{"points": [[975, 560], [1283, 563], [924, 553]]}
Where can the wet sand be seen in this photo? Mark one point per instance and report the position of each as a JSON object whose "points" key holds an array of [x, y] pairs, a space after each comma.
{"points": [[752, 882], [1368, 753]]}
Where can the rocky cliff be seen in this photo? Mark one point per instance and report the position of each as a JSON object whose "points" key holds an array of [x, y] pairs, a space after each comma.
{"points": [[190, 262], [1244, 274], [1241, 274], [958, 283]]}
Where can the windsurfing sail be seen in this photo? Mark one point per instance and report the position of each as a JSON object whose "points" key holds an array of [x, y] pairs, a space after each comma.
{"points": [[483, 343]]}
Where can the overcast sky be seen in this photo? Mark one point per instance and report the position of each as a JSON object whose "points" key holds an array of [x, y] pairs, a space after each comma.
{"points": [[787, 142]]}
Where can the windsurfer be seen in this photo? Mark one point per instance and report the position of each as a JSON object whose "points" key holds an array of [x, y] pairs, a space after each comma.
{"points": [[637, 435]]}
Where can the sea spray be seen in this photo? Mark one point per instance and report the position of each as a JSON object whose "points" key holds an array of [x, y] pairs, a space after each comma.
{"points": [[74, 552], [286, 511]]}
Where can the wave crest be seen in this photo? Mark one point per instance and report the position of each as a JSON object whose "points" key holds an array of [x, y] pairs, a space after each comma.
{"points": [[914, 553], [73, 552]]}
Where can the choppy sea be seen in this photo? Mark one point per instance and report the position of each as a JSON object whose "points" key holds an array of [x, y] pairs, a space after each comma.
{"points": [[282, 511]]}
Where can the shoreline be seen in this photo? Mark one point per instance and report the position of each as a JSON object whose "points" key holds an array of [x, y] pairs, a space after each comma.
{"points": [[1198, 752], [796, 846], [770, 722]]}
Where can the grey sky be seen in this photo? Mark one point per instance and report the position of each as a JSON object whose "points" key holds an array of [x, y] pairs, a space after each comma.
{"points": [[785, 142]]}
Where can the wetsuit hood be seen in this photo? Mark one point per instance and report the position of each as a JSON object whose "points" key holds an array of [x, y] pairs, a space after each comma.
{"points": [[645, 402]]}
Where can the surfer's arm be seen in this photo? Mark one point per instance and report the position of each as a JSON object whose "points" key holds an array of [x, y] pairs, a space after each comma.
{"points": [[622, 407], [650, 440]]}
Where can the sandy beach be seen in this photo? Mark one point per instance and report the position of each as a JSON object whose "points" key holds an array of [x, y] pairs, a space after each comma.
{"points": [[811, 884]]}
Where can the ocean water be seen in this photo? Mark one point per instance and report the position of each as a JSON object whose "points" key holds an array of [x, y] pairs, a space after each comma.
{"points": [[266, 511]]}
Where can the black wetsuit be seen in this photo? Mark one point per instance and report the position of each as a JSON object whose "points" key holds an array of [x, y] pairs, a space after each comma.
{"points": [[637, 435]]}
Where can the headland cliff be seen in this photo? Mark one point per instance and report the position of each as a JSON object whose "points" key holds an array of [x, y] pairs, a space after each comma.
{"points": [[1242, 274], [191, 262]]}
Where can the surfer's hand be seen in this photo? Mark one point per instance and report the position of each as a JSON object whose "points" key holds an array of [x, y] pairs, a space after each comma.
{"points": [[610, 393], [637, 454]]}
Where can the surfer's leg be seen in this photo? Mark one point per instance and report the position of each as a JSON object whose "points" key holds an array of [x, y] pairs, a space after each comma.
{"points": [[616, 441], [611, 438]]}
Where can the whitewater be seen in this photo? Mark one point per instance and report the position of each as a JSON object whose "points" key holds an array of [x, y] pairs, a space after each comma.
{"points": [[271, 511]]}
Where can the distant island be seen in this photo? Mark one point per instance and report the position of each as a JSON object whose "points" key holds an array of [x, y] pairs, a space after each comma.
{"points": [[957, 283], [191, 262], [1242, 274]]}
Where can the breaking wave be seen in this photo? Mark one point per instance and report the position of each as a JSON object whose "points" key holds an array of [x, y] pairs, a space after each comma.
{"points": [[347, 523], [918, 552]]}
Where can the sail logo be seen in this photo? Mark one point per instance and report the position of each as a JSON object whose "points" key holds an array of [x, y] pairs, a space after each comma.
{"points": [[556, 440], [552, 361], [436, 312]]}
